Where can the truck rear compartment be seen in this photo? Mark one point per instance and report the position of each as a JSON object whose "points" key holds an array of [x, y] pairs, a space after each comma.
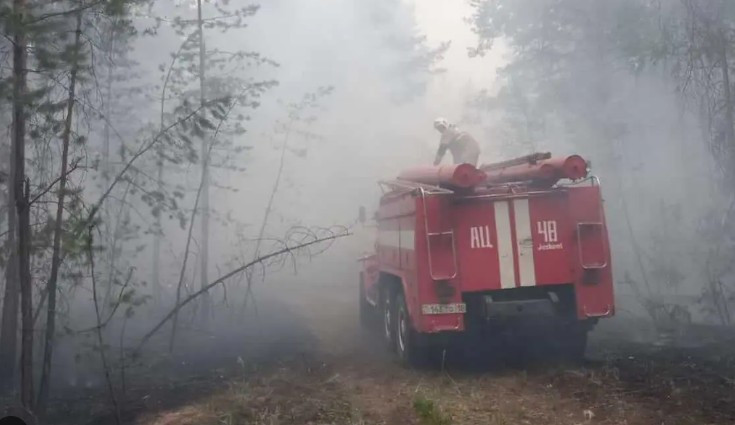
{"points": [[514, 243]]}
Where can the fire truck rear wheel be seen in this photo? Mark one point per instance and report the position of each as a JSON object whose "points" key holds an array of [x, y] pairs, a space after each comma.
{"points": [[406, 347], [573, 343], [366, 314], [388, 313]]}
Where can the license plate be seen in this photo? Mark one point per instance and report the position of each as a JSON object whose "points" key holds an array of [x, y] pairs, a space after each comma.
{"points": [[443, 308]]}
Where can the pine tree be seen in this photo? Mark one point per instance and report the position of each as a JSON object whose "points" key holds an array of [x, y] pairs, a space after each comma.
{"points": [[201, 72]]}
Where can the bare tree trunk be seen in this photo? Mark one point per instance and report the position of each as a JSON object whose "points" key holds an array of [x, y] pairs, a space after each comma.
{"points": [[158, 228], [106, 157], [266, 216], [58, 225], [180, 284], [98, 328], [729, 107], [204, 242], [26, 294], [9, 330], [156, 274], [108, 105], [21, 204]]}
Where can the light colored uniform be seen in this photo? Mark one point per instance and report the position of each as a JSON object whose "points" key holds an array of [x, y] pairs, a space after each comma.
{"points": [[462, 145]]}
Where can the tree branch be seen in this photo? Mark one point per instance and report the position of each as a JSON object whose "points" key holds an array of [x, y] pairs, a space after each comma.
{"points": [[58, 179], [95, 208], [104, 323], [66, 12], [221, 279]]}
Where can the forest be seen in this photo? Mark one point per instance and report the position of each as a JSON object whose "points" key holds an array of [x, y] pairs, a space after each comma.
{"points": [[177, 174]]}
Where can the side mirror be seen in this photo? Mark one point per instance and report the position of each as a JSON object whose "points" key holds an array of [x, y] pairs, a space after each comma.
{"points": [[361, 217]]}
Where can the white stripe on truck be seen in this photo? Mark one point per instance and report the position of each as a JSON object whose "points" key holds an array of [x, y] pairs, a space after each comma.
{"points": [[524, 239], [505, 244]]}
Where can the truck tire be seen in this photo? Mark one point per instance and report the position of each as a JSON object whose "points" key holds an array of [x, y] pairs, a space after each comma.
{"points": [[572, 343], [366, 315], [408, 351], [388, 314], [17, 415]]}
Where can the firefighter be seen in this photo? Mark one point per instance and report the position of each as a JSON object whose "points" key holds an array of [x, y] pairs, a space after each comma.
{"points": [[462, 145]]}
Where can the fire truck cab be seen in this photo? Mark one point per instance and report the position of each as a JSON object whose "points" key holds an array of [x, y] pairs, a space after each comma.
{"points": [[474, 251]]}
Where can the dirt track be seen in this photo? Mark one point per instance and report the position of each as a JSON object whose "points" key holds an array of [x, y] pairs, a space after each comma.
{"points": [[623, 381], [315, 365]]}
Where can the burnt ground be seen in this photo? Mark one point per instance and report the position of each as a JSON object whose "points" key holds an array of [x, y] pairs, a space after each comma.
{"points": [[305, 360]]}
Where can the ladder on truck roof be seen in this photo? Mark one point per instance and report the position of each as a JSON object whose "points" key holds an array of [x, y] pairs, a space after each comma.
{"points": [[438, 236], [433, 238]]}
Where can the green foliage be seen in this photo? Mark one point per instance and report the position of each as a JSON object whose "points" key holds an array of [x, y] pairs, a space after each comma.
{"points": [[429, 413], [568, 56], [558, 70], [227, 90], [575, 71]]}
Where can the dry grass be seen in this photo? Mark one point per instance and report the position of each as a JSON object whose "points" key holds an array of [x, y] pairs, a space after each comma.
{"points": [[429, 413], [347, 377], [289, 395]]}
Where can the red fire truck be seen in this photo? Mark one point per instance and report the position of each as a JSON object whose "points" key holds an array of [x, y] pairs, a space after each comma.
{"points": [[466, 251]]}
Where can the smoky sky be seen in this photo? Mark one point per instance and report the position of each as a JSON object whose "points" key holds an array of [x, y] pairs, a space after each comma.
{"points": [[378, 121]]}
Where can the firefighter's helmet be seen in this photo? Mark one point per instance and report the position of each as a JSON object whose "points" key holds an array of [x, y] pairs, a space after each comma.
{"points": [[441, 124]]}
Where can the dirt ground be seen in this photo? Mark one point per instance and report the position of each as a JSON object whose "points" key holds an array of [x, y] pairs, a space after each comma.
{"points": [[313, 364]]}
